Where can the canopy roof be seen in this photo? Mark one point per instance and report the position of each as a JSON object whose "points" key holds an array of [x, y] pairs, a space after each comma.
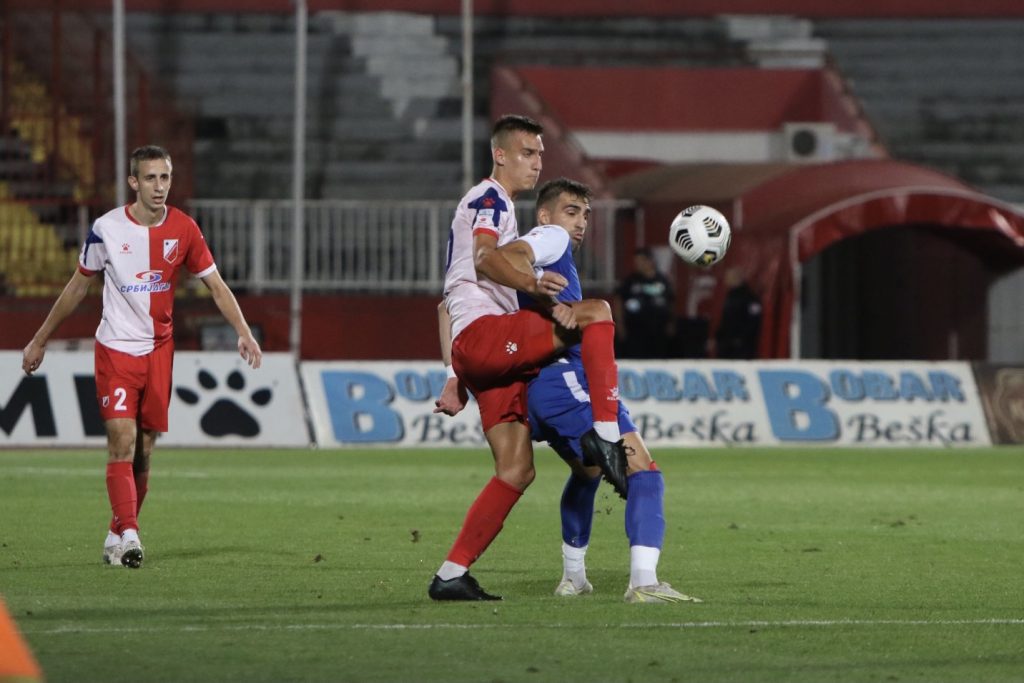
{"points": [[784, 215]]}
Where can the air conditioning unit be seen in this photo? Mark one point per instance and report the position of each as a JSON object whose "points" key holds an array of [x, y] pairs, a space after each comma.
{"points": [[809, 142]]}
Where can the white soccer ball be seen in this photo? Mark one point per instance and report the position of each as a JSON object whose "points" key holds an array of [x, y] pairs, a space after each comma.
{"points": [[700, 235]]}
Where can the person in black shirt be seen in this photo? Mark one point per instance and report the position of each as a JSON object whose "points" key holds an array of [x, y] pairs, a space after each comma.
{"points": [[739, 329], [644, 310]]}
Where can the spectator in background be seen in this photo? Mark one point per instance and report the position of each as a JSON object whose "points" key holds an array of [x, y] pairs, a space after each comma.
{"points": [[644, 310], [739, 329]]}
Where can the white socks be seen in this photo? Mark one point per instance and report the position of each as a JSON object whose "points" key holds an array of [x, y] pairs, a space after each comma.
{"points": [[130, 535], [112, 539], [450, 570], [643, 565], [574, 566], [609, 431]]}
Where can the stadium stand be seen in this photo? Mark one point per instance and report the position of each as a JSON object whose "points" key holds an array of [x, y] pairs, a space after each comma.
{"points": [[37, 248], [948, 94], [383, 90], [380, 95], [384, 109], [383, 98], [589, 41]]}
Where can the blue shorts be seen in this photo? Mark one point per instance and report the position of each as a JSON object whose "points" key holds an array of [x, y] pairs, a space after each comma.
{"points": [[559, 408]]}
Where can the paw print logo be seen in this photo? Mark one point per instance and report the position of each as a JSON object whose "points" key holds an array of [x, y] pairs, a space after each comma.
{"points": [[225, 416], [511, 347]]}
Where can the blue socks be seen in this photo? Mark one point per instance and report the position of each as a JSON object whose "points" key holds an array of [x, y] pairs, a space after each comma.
{"points": [[645, 509], [578, 510], [645, 515]]}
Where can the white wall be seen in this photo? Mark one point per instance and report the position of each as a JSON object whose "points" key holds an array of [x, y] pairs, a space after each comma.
{"points": [[1006, 319]]}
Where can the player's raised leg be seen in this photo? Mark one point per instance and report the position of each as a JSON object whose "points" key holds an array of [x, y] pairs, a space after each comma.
{"points": [[602, 446]]}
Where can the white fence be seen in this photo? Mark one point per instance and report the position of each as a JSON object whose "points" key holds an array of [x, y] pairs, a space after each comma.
{"points": [[388, 246]]}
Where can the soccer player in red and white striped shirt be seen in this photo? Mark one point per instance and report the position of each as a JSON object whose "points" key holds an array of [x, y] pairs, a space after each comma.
{"points": [[139, 248], [496, 347]]}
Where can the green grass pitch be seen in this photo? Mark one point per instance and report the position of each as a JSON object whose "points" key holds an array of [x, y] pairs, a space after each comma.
{"points": [[815, 565]]}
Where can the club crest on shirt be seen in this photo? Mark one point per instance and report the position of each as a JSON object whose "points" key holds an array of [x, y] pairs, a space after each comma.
{"points": [[170, 250]]}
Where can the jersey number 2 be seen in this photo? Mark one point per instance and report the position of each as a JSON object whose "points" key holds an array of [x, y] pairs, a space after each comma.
{"points": [[121, 395]]}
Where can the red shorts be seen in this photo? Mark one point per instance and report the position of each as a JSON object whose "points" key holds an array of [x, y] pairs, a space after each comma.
{"points": [[496, 356], [135, 387]]}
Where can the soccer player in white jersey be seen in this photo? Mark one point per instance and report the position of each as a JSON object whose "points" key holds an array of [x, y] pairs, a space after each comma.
{"points": [[139, 248], [496, 347], [559, 413]]}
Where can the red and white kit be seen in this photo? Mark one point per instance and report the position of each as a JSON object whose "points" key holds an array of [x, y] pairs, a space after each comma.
{"points": [[485, 208], [495, 345], [140, 266]]}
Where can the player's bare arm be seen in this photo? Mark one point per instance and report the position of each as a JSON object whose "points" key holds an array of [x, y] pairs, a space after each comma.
{"points": [[67, 302], [454, 396], [496, 268], [520, 256], [248, 348]]}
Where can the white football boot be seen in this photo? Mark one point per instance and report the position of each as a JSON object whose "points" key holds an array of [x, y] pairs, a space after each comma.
{"points": [[567, 589], [132, 554], [661, 592]]}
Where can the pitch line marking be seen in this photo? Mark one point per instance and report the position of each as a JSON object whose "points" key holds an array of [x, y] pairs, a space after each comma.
{"points": [[805, 623], [91, 472]]}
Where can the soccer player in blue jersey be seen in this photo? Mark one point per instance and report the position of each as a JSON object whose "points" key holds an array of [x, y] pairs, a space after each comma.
{"points": [[560, 413]]}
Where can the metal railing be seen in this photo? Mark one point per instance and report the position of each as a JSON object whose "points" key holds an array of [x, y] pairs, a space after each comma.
{"points": [[55, 80], [355, 245]]}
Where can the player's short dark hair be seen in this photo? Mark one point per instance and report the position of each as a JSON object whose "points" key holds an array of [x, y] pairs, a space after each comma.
{"points": [[550, 191], [511, 123], [146, 153]]}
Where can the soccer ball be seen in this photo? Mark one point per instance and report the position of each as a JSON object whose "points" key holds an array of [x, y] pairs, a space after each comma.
{"points": [[700, 235]]}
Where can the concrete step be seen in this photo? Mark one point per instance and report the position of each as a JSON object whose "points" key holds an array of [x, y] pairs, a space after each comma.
{"points": [[254, 82], [281, 107], [380, 129], [243, 180], [19, 169], [14, 149], [213, 22], [367, 171], [435, 189], [321, 151], [980, 30]]}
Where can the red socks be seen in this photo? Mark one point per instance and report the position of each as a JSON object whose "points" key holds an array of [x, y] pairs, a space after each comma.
{"points": [[598, 351], [123, 497], [141, 486], [484, 520]]}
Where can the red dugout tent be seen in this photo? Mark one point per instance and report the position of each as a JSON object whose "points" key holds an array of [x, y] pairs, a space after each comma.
{"points": [[785, 215]]}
